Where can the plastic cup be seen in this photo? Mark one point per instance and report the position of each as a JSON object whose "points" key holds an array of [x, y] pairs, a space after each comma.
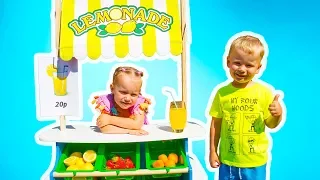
{"points": [[59, 85], [178, 116]]}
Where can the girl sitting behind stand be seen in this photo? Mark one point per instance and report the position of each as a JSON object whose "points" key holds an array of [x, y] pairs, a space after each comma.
{"points": [[124, 110]]}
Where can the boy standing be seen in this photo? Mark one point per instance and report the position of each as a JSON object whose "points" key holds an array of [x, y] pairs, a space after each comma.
{"points": [[240, 111]]}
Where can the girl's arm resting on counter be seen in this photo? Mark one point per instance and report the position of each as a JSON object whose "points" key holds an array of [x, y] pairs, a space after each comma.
{"points": [[128, 123], [111, 129]]}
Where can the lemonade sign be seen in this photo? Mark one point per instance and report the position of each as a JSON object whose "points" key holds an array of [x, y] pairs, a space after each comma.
{"points": [[121, 20]]}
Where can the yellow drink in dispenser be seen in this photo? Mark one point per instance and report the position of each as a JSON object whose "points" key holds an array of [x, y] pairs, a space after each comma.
{"points": [[178, 116], [59, 85]]}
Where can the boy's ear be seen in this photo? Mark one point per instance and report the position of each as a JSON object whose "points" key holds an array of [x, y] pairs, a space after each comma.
{"points": [[228, 61], [259, 67]]}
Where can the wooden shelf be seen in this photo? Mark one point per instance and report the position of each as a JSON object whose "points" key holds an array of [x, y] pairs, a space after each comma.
{"points": [[139, 172]]}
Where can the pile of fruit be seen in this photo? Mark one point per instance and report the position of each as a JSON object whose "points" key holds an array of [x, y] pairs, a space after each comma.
{"points": [[118, 162], [77, 161], [167, 161]]}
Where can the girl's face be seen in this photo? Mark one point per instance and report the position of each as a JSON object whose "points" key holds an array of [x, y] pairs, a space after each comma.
{"points": [[242, 66], [126, 90]]}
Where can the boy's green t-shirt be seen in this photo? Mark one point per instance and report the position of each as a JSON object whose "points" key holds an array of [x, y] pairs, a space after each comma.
{"points": [[243, 141]]}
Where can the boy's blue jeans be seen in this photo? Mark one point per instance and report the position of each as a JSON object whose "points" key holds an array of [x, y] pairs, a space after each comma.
{"points": [[234, 173]]}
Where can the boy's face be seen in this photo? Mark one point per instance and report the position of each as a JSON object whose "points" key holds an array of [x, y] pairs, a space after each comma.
{"points": [[243, 66]]}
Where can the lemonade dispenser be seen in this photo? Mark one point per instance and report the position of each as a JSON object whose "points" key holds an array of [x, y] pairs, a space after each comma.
{"points": [[59, 77]]}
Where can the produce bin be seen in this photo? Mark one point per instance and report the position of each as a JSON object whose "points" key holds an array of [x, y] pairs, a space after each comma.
{"points": [[156, 148], [77, 147], [113, 151]]}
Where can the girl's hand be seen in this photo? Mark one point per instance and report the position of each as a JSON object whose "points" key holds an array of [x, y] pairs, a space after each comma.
{"points": [[139, 132], [275, 107], [214, 159], [103, 120]]}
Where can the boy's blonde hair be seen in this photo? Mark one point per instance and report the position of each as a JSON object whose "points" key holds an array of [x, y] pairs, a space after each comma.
{"points": [[248, 44]]}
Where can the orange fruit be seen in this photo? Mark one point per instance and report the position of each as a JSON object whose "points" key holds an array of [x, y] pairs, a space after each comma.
{"points": [[173, 157], [163, 157], [170, 163], [158, 164]]}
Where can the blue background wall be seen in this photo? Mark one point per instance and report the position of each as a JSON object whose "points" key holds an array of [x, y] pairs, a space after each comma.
{"points": [[289, 27]]}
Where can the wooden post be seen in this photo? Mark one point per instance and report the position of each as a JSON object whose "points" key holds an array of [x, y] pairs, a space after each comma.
{"points": [[57, 22], [62, 118], [183, 55]]}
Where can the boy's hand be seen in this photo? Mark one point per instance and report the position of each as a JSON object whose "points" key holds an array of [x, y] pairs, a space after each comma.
{"points": [[103, 120], [139, 132], [275, 107], [214, 159]]}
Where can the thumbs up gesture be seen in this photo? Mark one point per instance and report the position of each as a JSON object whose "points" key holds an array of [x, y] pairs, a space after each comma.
{"points": [[275, 107]]}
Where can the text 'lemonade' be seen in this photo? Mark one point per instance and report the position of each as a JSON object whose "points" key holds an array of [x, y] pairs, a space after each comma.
{"points": [[178, 116]]}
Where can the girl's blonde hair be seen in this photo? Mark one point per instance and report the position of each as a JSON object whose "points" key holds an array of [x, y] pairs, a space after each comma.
{"points": [[126, 70], [248, 44]]}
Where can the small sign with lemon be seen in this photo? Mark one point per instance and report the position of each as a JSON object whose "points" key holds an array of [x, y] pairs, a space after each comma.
{"points": [[121, 20]]}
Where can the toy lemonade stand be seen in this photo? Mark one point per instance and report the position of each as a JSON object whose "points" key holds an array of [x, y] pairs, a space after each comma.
{"points": [[89, 30]]}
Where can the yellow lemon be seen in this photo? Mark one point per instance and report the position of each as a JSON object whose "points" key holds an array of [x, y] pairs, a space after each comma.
{"points": [[87, 166], [128, 26], [70, 161], [113, 27], [51, 70], [80, 162], [90, 156], [115, 14], [72, 168], [77, 154]]}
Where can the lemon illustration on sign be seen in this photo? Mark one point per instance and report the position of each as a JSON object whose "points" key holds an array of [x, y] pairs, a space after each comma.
{"points": [[115, 14], [51, 70], [128, 26], [113, 27]]}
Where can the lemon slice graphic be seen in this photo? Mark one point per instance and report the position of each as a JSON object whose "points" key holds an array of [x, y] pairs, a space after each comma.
{"points": [[51, 70], [115, 14], [113, 27], [128, 26]]}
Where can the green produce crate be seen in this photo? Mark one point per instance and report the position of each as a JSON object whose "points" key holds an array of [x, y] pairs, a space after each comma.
{"points": [[123, 150], [156, 148], [77, 147]]}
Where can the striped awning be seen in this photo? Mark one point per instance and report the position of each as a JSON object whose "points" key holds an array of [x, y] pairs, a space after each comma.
{"points": [[108, 28]]}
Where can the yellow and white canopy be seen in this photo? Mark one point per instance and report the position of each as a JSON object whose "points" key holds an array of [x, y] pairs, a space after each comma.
{"points": [[108, 28]]}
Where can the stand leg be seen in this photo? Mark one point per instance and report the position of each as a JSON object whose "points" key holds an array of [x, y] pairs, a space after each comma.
{"points": [[59, 148]]}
